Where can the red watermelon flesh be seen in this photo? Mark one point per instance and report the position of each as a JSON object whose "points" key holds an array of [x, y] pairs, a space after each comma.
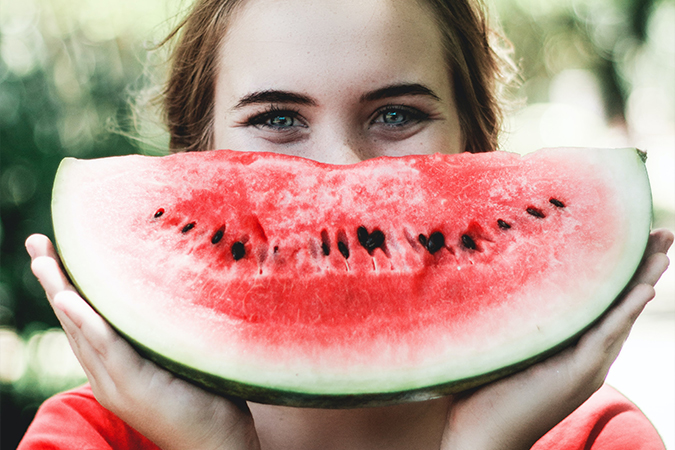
{"points": [[290, 281]]}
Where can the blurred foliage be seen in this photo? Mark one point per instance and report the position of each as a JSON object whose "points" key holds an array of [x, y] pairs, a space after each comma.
{"points": [[65, 83], [68, 71], [600, 36]]}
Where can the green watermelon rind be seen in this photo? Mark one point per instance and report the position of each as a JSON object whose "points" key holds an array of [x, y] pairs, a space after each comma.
{"points": [[260, 394], [402, 390]]}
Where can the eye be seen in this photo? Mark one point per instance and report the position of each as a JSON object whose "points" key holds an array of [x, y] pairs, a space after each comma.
{"points": [[277, 119], [396, 116]]}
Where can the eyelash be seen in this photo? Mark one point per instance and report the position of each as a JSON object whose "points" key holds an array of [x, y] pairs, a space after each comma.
{"points": [[413, 114], [272, 111]]}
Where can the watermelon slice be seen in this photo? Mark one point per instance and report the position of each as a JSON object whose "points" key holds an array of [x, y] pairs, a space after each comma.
{"points": [[283, 280]]}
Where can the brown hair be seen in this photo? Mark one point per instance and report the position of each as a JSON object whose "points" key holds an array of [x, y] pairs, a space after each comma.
{"points": [[475, 66], [189, 91], [478, 62]]}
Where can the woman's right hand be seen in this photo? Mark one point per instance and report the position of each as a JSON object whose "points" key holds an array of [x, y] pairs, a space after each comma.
{"points": [[169, 411], [514, 412]]}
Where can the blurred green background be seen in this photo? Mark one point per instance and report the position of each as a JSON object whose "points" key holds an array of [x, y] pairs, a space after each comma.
{"points": [[594, 73]]}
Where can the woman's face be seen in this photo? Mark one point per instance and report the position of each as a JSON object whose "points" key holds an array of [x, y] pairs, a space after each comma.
{"points": [[334, 81]]}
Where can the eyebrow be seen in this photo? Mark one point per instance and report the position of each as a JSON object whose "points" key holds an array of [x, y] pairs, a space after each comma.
{"points": [[399, 90], [274, 96], [278, 96]]}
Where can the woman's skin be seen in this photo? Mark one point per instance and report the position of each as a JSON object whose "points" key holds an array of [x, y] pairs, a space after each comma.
{"points": [[338, 82], [362, 79]]}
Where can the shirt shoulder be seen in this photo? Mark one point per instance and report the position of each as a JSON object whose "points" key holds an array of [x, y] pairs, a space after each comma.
{"points": [[606, 421], [74, 420]]}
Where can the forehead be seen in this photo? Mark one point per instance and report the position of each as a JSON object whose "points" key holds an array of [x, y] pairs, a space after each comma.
{"points": [[293, 41]]}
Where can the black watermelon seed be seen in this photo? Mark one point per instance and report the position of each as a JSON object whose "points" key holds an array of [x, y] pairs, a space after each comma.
{"points": [[325, 242], [188, 227], [238, 250], [503, 225], [159, 213], [423, 240], [468, 242], [217, 236], [535, 212], [556, 202], [362, 234], [436, 242], [344, 250], [370, 241], [376, 239]]}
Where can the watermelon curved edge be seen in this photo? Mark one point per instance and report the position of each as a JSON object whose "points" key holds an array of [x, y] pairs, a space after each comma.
{"points": [[288, 397]]}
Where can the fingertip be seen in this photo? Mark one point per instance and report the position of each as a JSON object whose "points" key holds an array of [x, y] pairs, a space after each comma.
{"points": [[62, 311], [32, 244], [658, 264], [664, 238], [48, 272], [40, 266], [39, 245], [667, 236], [63, 299], [638, 298], [72, 305], [648, 290], [46, 268]]}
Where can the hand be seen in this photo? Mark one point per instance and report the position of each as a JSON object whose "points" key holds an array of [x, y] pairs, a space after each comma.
{"points": [[171, 412], [513, 413]]}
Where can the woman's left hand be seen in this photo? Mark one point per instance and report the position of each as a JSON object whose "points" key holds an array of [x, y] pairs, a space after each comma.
{"points": [[169, 411], [513, 413]]}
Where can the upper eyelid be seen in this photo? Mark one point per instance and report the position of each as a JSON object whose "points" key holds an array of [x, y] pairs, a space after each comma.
{"points": [[275, 109], [271, 111], [417, 112], [415, 105], [398, 106]]}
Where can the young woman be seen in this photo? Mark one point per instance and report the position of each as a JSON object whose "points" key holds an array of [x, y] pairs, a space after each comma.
{"points": [[339, 82]]}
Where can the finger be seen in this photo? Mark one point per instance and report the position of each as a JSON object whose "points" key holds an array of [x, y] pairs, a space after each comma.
{"points": [[111, 365], [107, 355], [97, 378], [600, 346], [72, 312], [654, 261], [48, 272], [652, 269], [74, 341], [50, 276], [660, 241], [121, 380], [40, 245]]}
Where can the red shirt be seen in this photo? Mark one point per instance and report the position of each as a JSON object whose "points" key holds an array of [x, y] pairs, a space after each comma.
{"points": [[74, 420]]}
